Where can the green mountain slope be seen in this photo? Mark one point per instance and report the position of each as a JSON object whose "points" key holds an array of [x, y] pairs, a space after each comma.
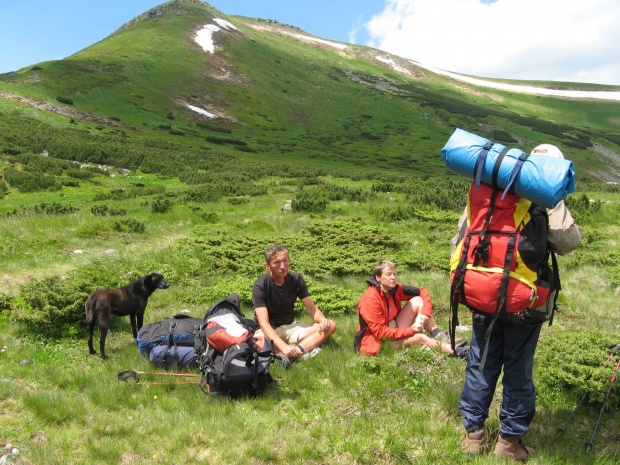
{"points": [[276, 93]]}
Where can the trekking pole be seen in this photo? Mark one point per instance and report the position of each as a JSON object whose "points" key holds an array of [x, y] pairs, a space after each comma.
{"points": [[563, 428], [589, 444], [124, 375], [170, 384], [614, 350]]}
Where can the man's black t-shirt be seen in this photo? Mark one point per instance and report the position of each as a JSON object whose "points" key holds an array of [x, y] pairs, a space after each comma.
{"points": [[279, 300]]}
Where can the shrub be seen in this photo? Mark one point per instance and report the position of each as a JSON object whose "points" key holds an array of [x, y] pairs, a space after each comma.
{"points": [[214, 128], [53, 208], [30, 182], [4, 189], [310, 202], [45, 306], [573, 366], [105, 209], [70, 182], [129, 225], [66, 100], [223, 140], [161, 205], [80, 174], [244, 148]]}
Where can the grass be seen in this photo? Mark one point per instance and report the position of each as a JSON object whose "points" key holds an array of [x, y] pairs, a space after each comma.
{"points": [[63, 406]]}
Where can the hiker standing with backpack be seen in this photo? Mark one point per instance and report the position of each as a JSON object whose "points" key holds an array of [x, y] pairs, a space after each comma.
{"points": [[389, 310], [274, 295], [507, 337]]}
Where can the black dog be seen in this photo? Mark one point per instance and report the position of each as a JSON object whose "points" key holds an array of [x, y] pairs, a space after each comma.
{"points": [[128, 300]]}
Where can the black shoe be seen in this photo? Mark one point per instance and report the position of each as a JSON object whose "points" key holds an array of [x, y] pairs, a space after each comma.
{"points": [[461, 352]]}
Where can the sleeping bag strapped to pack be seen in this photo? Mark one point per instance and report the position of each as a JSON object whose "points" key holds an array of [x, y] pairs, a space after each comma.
{"points": [[540, 178], [172, 342], [233, 361]]}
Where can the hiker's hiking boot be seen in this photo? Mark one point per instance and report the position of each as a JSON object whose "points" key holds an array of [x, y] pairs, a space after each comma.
{"points": [[443, 336], [283, 361], [461, 352], [511, 447], [476, 442]]}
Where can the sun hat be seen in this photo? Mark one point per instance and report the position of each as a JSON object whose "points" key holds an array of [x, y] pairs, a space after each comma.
{"points": [[549, 150]]}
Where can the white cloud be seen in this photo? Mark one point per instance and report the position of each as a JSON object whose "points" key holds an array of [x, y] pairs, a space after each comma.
{"points": [[518, 39]]}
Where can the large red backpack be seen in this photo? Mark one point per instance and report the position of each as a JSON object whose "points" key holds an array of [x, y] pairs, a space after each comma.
{"points": [[500, 264]]}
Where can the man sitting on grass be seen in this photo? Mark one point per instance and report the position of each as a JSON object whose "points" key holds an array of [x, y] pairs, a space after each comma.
{"points": [[274, 295], [382, 315]]}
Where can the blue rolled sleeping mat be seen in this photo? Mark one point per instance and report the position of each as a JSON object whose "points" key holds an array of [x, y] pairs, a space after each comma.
{"points": [[540, 178]]}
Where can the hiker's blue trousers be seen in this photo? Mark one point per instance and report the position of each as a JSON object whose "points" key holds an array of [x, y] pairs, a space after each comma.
{"points": [[511, 347]]}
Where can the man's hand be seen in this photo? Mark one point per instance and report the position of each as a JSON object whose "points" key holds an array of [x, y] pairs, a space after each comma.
{"points": [[291, 351], [325, 324]]}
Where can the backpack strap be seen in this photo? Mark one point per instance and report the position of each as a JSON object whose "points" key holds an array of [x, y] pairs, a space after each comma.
{"points": [[480, 163], [515, 172], [498, 163], [556, 282], [501, 295], [456, 290], [206, 367]]}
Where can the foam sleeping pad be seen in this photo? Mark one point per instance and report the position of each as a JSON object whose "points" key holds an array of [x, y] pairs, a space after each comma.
{"points": [[542, 179]]}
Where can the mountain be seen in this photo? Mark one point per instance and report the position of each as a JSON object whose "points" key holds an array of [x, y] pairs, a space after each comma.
{"points": [[188, 73]]}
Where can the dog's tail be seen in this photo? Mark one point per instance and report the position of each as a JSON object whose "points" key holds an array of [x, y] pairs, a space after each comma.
{"points": [[88, 310]]}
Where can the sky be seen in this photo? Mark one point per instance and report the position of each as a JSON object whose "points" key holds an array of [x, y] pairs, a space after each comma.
{"points": [[559, 40]]}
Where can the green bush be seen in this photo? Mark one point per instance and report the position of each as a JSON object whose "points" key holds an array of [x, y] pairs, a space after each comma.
{"points": [[4, 189], [52, 208], [45, 306], [572, 365], [104, 209], [80, 174], [30, 182], [311, 202], [66, 100], [129, 225], [161, 205]]}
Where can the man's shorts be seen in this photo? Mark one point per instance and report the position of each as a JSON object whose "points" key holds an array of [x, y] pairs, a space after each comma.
{"points": [[288, 333]]}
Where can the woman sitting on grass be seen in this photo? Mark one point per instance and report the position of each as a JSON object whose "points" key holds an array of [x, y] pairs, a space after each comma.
{"points": [[382, 315]]}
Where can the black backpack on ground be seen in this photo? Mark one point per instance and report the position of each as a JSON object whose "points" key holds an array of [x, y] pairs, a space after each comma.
{"points": [[240, 369]]}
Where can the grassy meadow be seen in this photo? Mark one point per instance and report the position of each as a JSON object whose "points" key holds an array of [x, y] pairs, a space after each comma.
{"points": [[61, 405]]}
